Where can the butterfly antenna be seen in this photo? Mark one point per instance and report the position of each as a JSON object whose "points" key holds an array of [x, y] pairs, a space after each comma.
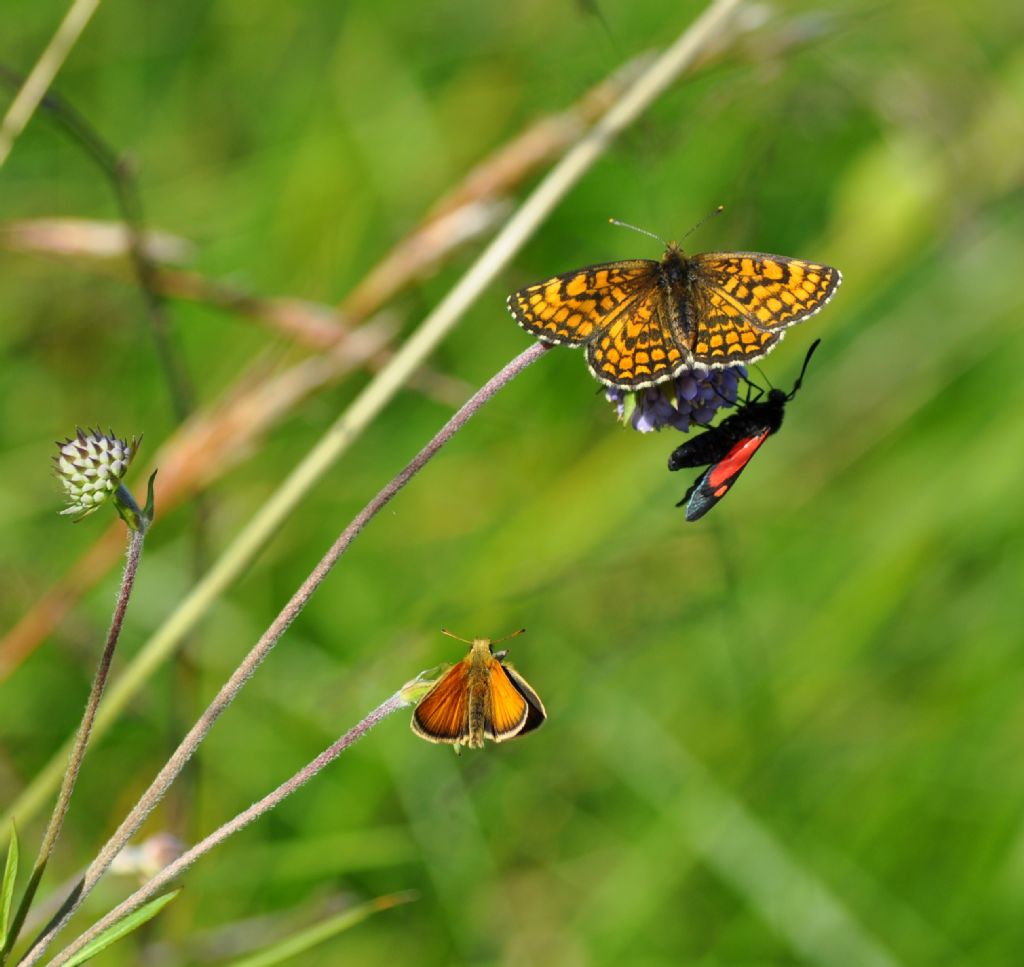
{"points": [[515, 634], [803, 369], [642, 231], [709, 215]]}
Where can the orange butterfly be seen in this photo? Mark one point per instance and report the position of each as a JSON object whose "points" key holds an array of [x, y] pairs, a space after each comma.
{"points": [[480, 697], [644, 321]]}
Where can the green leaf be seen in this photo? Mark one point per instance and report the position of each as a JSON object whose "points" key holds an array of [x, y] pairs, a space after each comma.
{"points": [[7, 886], [148, 510], [318, 933], [628, 406], [122, 927], [413, 691]]}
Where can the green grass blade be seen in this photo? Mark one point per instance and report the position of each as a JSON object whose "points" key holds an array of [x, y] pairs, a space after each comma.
{"points": [[122, 928], [7, 886], [307, 939]]}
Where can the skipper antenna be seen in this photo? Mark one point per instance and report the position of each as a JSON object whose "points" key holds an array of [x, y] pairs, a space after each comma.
{"points": [[515, 634], [451, 634], [494, 641]]}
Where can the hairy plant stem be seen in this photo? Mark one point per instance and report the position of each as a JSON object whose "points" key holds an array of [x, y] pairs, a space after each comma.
{"points": [[232, 826], [99, 681], [262, 648]]}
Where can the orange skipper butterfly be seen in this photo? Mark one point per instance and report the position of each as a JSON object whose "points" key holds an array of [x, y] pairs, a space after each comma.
{"points": [[479, 698]]}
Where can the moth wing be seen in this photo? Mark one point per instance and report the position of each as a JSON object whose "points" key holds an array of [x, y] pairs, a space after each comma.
{"points": [[717, 481], [708, 447]]}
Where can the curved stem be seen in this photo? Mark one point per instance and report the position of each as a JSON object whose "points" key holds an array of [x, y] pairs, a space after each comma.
{"points": [[99, 681], [243, 819], [262, 648]]}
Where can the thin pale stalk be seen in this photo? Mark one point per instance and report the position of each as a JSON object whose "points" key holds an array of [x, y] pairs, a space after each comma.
{"points": [[41, 77], [262, 648], [232, 826], [99, 681]]}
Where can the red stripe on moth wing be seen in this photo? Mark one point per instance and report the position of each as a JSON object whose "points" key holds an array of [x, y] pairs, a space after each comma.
{"points": [[736, 459]]}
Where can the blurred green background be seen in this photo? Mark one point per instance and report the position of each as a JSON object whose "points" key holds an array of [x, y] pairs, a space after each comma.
{"points": [[788, 734]]}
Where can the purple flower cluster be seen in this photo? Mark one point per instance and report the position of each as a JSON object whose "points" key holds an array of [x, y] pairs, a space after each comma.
{"points": [[694, 396]]}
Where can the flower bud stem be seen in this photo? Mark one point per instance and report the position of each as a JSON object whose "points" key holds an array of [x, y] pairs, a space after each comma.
{"points": [[99, 682], [124, 504]]}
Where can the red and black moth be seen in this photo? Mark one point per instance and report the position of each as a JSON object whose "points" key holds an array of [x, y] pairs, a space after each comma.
{"points": [[729, 447]]}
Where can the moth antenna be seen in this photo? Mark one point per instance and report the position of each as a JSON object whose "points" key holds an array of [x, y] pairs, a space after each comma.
{"points": [[763, 376], [642, 231], [803, 369], [709, 215], [465, 641]]}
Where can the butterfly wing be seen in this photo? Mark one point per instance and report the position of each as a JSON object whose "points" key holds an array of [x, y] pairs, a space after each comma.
{"points": [[442, 715], [717, 481], [742, 302], [570, 309], [536, 713], [505, 711], [616, 310]]}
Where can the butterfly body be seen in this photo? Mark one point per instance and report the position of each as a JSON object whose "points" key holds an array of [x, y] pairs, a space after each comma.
{"points": [[642, 322], [730, 446], [479, 698]]}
